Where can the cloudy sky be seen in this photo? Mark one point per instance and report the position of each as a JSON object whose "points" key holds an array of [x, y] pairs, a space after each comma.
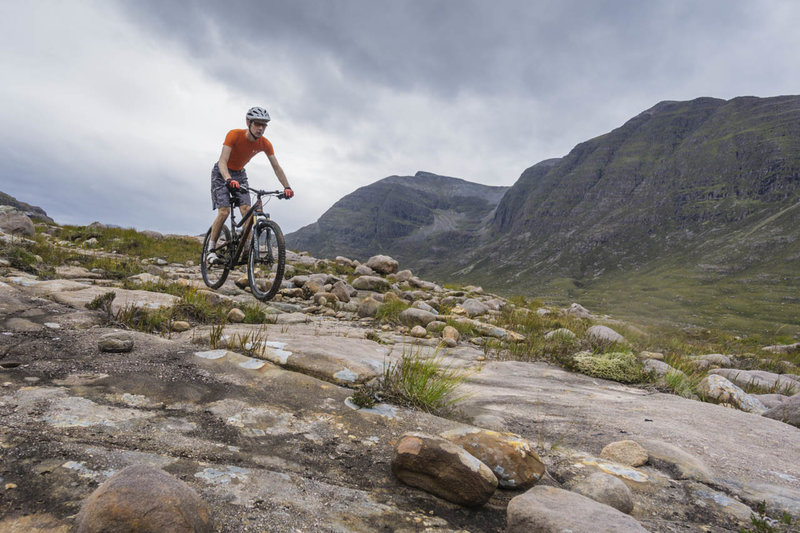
{"points": [[115, 110]]}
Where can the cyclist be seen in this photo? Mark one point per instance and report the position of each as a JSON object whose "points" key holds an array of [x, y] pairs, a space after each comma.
{"points": [[228, 174]]}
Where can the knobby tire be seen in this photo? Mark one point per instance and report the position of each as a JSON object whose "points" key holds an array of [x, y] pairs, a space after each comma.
{"points": [[210, 272], [266, 258]]}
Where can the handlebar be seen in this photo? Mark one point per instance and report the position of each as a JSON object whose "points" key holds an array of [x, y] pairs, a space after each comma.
{"points": [[258, 192]]}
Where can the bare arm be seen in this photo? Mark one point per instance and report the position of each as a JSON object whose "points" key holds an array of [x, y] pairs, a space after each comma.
{"points": [[223, 162], [279, 172]]}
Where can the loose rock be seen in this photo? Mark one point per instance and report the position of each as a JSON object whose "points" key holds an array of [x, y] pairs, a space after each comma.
{"points": [[116, 341], [607, 489], [143, 498], [440, 467]]}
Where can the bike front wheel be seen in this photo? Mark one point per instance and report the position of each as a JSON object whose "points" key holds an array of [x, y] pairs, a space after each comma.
{"points": [[267, 259], [215, 274]]}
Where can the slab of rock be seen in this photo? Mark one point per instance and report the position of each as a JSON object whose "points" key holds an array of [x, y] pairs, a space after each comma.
{"points": [[718, 389], [551, 510], [681, 463], [440, 467], [788, 411], [607, 489], [783, 348], [511, 457], [116, 341], [382, 264], [144, 498], [626, 452], [768, 381]]}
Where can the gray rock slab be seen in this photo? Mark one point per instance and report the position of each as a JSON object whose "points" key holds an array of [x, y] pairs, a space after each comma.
{"points": [[768, 381], [538, 400], [124, 298], [551, 510]]}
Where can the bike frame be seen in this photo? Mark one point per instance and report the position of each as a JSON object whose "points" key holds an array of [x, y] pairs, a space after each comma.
{"points": [[256, 210]]}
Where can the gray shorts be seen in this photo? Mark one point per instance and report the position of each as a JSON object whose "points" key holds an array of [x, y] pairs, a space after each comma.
{"points": [[220, 194]]}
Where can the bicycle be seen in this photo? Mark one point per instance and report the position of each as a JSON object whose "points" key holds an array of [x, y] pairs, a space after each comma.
{"points": [[267, 256]]}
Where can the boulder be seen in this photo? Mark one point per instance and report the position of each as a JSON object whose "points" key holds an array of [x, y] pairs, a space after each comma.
{"points": [[143, 498], [607, 489], [370, 283], [450, 335], [342, 291], [16, 223], [419, 304], [549, 510], [719, 390], [788, 411], [363, 270], [474, 307], [344, 261], [603, 335], [659, 368], [560, 334], [709, 360], [368, 308], [783, 348], [116, 341], [403, 275], [382, 264], [626, 452], [511, 457], [578, 311], [416, 317], [440, 467]]}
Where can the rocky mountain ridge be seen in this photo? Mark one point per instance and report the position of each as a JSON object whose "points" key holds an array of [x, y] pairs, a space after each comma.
{"points": [[701, 193], [258, 420]]}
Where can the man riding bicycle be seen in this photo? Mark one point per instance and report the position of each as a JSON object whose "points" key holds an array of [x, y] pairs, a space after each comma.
{"points": [[228, 175]]}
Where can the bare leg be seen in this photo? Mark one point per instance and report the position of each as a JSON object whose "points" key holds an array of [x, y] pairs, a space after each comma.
{"points": [[216, 227]]}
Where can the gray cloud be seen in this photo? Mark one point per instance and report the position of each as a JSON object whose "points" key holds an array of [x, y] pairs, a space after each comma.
{"points": [[137, 96]]}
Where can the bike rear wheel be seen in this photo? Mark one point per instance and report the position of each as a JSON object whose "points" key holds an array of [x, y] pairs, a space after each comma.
{"points": [[214, 275], [267, 259]]}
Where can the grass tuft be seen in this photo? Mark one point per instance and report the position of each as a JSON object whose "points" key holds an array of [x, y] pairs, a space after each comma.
{"points": [[425, 383]]}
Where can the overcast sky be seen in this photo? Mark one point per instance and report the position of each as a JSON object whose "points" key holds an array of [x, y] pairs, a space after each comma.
{"points": [[116, 110]]}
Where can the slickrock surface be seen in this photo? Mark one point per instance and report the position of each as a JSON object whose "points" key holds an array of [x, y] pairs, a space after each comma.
{"points": [[271, 441]]}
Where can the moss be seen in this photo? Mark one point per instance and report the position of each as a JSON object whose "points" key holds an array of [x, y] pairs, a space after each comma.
{"points": [[616, 366]]}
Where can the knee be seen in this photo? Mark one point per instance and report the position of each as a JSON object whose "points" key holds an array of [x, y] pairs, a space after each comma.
{"points": [[223, 212]]}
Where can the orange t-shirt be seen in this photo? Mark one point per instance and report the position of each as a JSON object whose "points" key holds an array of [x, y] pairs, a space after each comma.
{"points": [[243, 150]]}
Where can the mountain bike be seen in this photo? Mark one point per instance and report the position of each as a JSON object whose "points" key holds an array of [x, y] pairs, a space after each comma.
{"points": [[266, 258]]}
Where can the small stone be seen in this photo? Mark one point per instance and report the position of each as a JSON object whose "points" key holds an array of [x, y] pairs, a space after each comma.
{"points": [[181, 325], [419, 332], [626, 452], [607, 489], [235, 315], [116, 341], [10, 486]]}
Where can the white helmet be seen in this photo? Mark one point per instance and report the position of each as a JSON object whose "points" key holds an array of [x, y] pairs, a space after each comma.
{"points": [[257, 113]]}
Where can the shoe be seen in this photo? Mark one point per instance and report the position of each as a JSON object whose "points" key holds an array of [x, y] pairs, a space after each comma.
{"points": [[212, 259]]}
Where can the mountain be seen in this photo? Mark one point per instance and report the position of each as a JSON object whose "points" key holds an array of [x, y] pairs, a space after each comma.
{"points": [[409, 217], [32, 211], [689, 209]]}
